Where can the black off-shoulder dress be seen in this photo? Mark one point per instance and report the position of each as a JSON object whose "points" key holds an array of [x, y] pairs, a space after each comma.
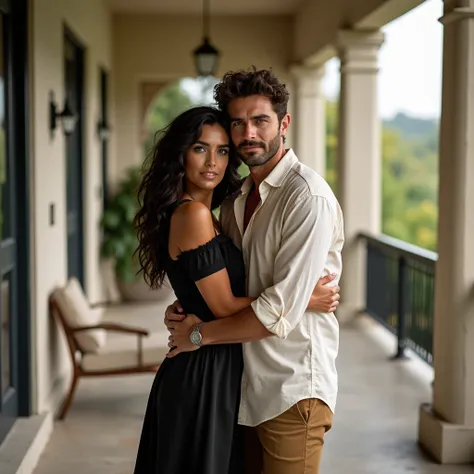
{"points": [[190, 424]]}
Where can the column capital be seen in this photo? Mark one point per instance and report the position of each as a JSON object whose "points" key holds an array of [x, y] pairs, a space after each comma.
{"points": [[308, 78], [360, 38], [455, 14], [358, 50]]}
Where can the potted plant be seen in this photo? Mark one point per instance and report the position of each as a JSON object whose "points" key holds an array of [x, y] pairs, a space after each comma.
{"points": [[119, 240]]}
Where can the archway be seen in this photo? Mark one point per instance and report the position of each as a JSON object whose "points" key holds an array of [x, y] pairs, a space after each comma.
{"points": [[163, 101]]}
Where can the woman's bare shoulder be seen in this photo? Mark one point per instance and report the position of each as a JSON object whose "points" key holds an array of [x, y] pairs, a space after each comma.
{"points": [[192, 225]]}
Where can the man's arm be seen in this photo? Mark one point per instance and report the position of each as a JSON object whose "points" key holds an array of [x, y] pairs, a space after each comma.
{"points": [[324, 299], [243, 326], [306, 240], [300, 262]]}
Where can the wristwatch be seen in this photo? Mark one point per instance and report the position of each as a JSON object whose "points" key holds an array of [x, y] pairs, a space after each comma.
{"points": [[196, 336]]}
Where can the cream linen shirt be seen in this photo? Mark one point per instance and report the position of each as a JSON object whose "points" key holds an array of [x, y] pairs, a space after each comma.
{"points": [[294, 237]]}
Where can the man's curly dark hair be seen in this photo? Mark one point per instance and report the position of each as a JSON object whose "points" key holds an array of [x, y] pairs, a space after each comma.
{"points": [[238, 84]]}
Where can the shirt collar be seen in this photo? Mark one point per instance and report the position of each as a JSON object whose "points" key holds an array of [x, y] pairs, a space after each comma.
{"points": [[277, 175]]}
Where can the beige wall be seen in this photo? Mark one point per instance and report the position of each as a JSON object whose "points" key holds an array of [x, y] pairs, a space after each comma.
{"points": [[152, 47], [90, 22]]}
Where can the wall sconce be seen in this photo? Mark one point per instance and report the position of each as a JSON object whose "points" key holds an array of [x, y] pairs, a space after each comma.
{"points": [[67, 117], [103, 130]]}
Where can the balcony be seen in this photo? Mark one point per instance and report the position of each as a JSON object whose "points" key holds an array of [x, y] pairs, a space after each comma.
{"points": [[405, 314]]}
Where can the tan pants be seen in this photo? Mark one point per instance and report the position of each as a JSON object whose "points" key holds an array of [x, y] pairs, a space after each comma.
{"points": [[291, 443]]}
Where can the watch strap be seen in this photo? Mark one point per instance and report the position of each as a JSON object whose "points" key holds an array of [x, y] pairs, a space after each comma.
{"points": [[197, 330]]}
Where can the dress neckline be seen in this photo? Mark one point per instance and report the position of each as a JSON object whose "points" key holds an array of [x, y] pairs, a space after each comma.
{"points": [[218, 238]]}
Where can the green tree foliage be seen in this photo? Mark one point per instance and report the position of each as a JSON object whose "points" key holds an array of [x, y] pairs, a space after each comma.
{"points": [[409, 176], [331, 144], [166, 106]]}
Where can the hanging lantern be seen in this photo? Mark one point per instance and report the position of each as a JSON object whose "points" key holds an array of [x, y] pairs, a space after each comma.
{"points": [[206, 56]]}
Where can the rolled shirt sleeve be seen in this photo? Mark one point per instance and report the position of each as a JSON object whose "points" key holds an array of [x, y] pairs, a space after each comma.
{"points": [[307, 236]]}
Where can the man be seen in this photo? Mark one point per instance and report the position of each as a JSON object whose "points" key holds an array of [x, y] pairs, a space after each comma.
{"points": [[290, 228]]}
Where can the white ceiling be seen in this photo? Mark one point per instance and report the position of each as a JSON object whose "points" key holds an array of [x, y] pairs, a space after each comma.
{"points": [[217, 7]]}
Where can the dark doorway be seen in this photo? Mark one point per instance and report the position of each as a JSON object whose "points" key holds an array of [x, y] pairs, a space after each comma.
{"points": [[74, 84], [104, 121]]}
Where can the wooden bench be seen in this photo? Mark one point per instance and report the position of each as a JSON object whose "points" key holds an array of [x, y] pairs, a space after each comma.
{"points": [[92, 352]]}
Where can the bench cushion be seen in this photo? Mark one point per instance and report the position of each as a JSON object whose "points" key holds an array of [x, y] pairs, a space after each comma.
{"points": [[77, 312]]}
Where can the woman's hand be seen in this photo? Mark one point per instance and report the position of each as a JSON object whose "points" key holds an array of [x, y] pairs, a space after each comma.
{"points": [[180, 332], [325, 298], [175, 312]]}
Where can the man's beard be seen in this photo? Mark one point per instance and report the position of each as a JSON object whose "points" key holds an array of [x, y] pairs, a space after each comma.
{"points": [[256, 158]]}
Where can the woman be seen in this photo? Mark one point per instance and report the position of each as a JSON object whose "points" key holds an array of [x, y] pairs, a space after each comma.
{"points": [[190, 424]]}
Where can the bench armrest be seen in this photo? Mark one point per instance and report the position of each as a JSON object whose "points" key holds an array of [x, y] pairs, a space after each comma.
{"points": [[113, 327]]}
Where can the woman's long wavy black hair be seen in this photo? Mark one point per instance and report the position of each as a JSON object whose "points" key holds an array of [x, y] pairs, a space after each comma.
{"points": [[163, 184]]}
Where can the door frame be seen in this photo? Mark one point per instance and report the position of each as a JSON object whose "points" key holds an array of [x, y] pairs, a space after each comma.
{"points": [[68, 35], [18, 154], [21, 124]]}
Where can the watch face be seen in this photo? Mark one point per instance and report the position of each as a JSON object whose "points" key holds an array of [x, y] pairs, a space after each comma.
{"points": [[195, 338]]}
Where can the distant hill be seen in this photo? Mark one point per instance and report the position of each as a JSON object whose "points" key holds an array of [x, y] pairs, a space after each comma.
{"points": [[412, 127]]}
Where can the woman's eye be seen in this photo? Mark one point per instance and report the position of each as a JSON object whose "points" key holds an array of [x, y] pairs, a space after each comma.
{"points": [[224, 151], [199, 148]]}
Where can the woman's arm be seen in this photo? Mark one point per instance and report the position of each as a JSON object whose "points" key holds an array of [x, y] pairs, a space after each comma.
{"points": [[325, 299], [191, 227], [217, 293]]}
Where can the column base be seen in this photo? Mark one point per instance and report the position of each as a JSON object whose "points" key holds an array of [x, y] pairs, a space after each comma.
{"points": [[446, 442]]}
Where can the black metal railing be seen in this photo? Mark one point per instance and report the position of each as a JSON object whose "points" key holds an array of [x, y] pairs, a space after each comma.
{"points": [[400, 292]]}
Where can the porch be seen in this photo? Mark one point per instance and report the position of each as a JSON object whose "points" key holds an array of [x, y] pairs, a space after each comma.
{"points": [[374, 431], [120, 54]]}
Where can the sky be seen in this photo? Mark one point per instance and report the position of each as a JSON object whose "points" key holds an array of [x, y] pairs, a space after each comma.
{"points": [[410, 62]]}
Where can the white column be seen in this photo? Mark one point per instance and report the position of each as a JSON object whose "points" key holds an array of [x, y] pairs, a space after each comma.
{"points": [[446, 427], [290, 82], [359, 158], [310, 123]]}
